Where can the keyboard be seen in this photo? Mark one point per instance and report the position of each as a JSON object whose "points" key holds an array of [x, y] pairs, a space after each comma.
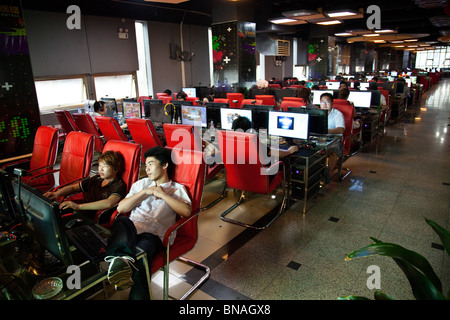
{"points": [[89, 242]]}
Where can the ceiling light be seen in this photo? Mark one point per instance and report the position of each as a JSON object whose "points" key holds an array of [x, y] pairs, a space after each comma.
{"points": [[424, 45], [303, 14], [411, 40], [343, 34], [327, 23], [282, 20], [371, 35], [341, 13], [399, 46], [379, 41], [397, 41], [384, 31]]}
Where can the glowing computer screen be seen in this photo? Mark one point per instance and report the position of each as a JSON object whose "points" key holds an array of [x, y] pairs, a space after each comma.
{"points": [[227, 116], [333, 85], [413, 79], [191, 92], [394, 73], [288, 124], [360, 99], [318, 93], [363, 85], [131, 110], [193, 116]]}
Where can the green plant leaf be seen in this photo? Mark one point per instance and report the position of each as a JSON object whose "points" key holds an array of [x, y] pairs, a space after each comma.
{"points": [[442, 233], [421, 286], [378, 295], [395, 251]]}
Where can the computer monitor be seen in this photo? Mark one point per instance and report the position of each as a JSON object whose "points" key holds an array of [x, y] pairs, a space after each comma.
{"points": [[333, 85], [227, 116], [360, 99], [376, 98], [391, 86], [364, 86], [160, 112], [394, 73], [147, 103], [111, 106], [318, 93], [408, 81], [191, 92], [131, 110], [213, 111], [413, 79], [288, 124], [43, 222], [260, 115], [286, 92], [311, 84], [194, 116], [318, 121], [368, 78]]}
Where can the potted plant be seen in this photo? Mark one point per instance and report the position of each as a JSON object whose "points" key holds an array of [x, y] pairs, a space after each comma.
{"points": [[425, 284]]}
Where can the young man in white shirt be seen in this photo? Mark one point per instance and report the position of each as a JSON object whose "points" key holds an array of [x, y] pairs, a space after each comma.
{"points": [[336, 125], [154, 203]]}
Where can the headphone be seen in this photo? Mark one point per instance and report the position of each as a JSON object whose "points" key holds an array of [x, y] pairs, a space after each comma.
{"points": [[174, 108]]}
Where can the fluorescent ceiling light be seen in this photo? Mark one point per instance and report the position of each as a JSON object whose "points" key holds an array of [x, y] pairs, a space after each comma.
{"points": [[379, 41], [384, 31], [411, 40], [397, 41], [301, 13], [282, 20], [343, 34], [343, 13], [327, 23], [371, 35]]}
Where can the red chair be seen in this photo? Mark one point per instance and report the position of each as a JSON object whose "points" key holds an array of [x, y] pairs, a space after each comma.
{"points": [[45, 148], [131, 153], [141, 101], [250, 101], [235, 96], [221, 100], [186, 137], [341, 101], [144, 133], [86, 124], [245, 171], [296, 104], [347, 111], [110, 128], [194, 100], [66, 121], [274, 85], [297, 86], [267, 99], [293, 99], [76, 159], [159, 95]]}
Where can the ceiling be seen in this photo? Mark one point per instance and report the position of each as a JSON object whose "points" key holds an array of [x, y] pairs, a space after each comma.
{"points": [[425, 20]]}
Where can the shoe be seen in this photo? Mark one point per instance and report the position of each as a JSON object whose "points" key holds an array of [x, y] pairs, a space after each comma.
{"points": [[120, 272]]}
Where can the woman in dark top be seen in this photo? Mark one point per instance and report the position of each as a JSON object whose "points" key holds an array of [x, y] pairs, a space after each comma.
{"points": [[101, 192]]}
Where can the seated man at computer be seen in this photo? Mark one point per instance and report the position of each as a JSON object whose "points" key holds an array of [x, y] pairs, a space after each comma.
{"points": [[154, 203], [245, 125], [336, 125], [101, 192], [99, 110]]}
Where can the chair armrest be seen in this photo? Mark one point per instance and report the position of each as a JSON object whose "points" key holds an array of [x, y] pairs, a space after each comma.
{"points": [[14, 163], [274, 168], [177, 225], [38, 169]]}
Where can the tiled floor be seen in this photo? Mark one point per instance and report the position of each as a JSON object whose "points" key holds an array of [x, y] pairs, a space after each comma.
{"points": [[394, 184]]}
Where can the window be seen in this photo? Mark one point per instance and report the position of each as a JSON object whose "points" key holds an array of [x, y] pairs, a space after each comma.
{"points": [[57, 93], [437, 58], [115, 86]]}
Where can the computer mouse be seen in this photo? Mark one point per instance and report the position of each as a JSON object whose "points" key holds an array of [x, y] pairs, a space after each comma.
{"points": [[72, 223]]}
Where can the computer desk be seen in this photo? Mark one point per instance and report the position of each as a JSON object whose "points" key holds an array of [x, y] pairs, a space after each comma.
{"points": [[91, 274], [307, 168]]}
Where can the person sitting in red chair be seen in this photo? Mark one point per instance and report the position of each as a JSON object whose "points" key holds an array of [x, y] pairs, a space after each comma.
{"points": [[101, 192], [154, 203]]}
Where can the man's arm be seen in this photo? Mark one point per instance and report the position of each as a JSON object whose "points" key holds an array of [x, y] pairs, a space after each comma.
{"points": [[68, 190], [181, 208], [103, 204]]}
